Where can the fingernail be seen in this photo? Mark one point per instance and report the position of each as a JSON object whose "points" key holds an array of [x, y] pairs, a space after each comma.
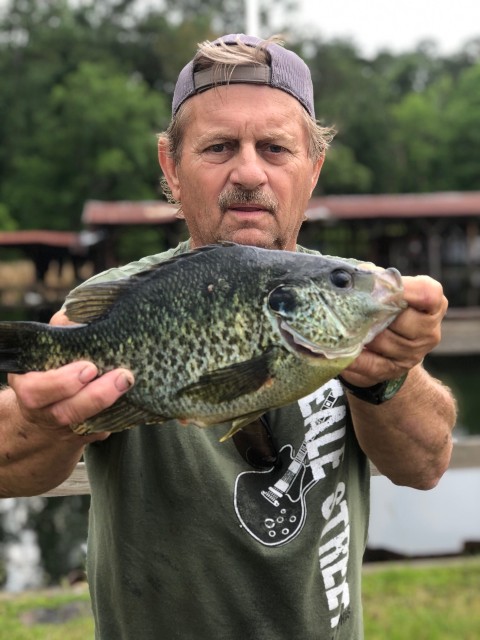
{"points": [[88, 373], [123, 382]]}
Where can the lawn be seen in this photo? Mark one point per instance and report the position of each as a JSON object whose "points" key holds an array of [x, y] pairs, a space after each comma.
{"points": [[57, 614], [439, 601], [402, 601]]}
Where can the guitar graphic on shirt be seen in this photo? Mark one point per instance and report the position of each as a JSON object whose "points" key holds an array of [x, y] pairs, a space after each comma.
{"points": [[271, 504]]}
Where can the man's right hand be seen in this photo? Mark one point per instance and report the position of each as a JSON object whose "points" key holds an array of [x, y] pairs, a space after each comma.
{"points": [[69, 395], [38, 449]]}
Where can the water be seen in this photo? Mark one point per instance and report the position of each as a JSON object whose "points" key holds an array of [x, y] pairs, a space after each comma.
{"points": [[435, 522]]}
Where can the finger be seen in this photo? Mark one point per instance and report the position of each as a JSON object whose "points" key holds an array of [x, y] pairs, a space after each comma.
{"points": [[370, 368], [425, 294], [60, 319], [416, 332], [38, 389], [422, 319], [93, 398]]}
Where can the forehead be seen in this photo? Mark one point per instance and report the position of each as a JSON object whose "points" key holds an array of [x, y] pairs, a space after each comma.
{"points": [[244, 105]]}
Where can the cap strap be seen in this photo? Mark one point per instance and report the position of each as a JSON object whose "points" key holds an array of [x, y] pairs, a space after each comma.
{"points": [[249, 74]]}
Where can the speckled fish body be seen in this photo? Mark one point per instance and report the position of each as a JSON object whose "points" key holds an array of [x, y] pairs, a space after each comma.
{"points": [[216, 335]]}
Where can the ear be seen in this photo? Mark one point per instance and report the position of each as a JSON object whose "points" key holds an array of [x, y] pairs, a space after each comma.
{"points": [[168, 167], [317, 167]]}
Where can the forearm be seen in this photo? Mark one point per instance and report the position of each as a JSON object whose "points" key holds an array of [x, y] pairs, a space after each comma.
{"points": [[408, 438], [33, 459]]}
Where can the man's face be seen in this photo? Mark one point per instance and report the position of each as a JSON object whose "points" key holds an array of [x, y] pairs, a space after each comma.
{"points": [[244, 173]]}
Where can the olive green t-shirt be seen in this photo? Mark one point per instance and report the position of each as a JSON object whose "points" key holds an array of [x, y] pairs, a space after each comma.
{"points": [[188, 541]]}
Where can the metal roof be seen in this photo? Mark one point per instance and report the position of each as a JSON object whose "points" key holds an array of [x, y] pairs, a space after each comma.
{"points": [[40, 237], [348, 207], [409, 205], [96, 212]]}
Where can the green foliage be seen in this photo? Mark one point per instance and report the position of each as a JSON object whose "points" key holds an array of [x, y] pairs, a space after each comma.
{"points": [[85, 87], [7, 223], [406, 123], [419, 137], [102, 150], [343, 174], [354, 99], [462, 122]]}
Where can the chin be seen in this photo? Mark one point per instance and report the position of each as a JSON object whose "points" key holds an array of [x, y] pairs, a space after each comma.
{"points": [[254, 238]]}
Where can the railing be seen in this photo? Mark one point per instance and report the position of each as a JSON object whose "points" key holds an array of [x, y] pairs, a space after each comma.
{"points": [[466, 454], [460, 332]]}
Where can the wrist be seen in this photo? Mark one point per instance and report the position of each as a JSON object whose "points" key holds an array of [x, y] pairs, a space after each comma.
{"points": [[376, 394]]}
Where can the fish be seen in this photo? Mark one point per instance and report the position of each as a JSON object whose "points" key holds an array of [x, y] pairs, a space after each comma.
{"points": [[216, 335]]}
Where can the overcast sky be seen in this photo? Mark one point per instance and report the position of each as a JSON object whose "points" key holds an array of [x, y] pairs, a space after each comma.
{"points": [[395, 24], [374, 24]]}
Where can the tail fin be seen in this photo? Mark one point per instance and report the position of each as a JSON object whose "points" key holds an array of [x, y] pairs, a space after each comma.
{"points": [[14, 346]]}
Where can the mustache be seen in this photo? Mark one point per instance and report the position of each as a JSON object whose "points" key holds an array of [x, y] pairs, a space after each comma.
{"points": [[238, 196]]}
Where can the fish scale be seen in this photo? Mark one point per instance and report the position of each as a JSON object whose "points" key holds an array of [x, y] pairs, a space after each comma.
{"points": [[216, 335]]}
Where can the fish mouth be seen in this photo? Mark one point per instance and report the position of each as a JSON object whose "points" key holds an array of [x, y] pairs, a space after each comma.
{"points": [[301, 345], [389, 288], [388, 292]]}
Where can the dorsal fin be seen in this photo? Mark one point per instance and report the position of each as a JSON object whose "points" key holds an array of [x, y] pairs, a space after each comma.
{"points": [[90, 302]]}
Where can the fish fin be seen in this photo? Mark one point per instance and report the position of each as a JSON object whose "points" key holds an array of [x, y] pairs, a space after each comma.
{"points": [[10, 348], [92, 301], [120, 416], [229, 383], [240, 423], [18, 341]]}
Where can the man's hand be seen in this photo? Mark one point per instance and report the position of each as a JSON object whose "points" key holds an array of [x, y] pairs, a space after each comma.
{"points": [[69, 395], [406, 342], [39, 449]]}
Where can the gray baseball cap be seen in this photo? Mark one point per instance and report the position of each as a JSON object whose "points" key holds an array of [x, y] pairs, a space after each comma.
{"points": [[286, 71]]}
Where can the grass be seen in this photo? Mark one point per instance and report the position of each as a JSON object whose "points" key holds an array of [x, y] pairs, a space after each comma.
{"points": [[429, 602], [402, 601], [24, 616]]}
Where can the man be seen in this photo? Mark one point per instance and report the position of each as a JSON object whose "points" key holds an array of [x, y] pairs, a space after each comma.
{"points": [[261, 536]]}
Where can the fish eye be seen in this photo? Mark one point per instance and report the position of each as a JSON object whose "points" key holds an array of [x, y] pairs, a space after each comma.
{"points": [[341, 278], [283, 301]]}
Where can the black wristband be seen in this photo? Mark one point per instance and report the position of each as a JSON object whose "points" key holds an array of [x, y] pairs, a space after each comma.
{"points": [[377, 393]]}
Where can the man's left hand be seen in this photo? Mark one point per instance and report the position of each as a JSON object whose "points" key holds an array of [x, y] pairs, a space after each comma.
{"points": [[405, 343]]}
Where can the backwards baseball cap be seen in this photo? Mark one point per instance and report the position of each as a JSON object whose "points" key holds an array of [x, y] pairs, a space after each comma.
{"points": [[286, 71]]}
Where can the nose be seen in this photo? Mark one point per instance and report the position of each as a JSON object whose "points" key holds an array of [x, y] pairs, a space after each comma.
{"points": [[248, 169]]}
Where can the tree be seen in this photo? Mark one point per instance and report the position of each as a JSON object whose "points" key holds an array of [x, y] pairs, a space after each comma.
{"points": [[84, 90], [353, 99], [93, 138], [421, 149], [462, 130]]}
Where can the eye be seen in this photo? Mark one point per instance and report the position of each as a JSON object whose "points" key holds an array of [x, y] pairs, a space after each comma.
{"points": [[341, 279], [217, 148], [275, 148], [282, 301]]}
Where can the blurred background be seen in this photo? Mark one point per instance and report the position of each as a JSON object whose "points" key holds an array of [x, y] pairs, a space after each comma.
{"points": [[85, 87]]}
